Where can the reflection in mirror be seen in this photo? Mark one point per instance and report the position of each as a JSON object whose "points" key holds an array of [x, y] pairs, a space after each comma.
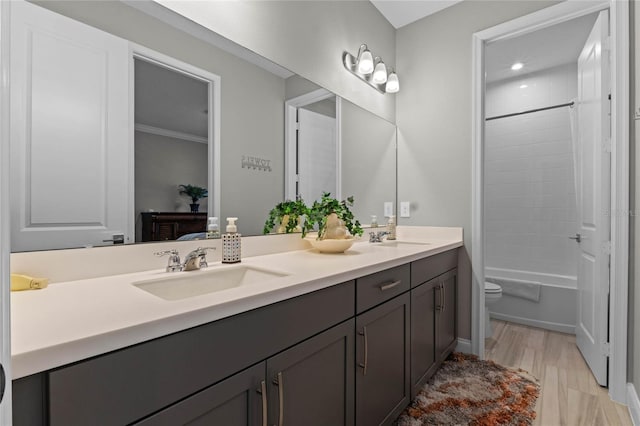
{"points": [[81, 196], [171, 149]]}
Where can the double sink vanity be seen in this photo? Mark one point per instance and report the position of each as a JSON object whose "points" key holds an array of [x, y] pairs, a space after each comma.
{"points": [[287, 337]]}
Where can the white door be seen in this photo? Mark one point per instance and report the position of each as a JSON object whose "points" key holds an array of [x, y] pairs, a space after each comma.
{"points": [[317, 155], [594, 199], [69, 118]]}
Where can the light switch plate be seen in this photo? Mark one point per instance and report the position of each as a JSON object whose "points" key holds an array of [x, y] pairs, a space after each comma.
{"points": [[388, 208], [405, 209]]}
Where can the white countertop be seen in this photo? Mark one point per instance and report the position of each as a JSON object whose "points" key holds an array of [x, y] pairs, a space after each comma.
{"points": [[75, 320]]}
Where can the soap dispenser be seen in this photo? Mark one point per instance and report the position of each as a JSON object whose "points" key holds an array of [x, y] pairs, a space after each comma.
{"points": [[213, 230], [231, 242], [391, 227]]}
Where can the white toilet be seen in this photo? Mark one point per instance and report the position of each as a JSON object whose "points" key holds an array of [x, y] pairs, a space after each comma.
{"points": [[492, 293]]}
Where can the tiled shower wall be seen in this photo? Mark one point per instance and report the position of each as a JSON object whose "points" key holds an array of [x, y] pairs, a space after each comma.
{"points": [[530, 198]]}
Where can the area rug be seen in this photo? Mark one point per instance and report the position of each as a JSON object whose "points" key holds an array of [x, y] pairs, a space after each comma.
{"points": [[468, 391]]}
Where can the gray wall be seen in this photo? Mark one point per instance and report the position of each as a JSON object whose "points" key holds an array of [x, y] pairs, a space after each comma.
{"points": [[252, 99], [434, 120], [162, 163], [308, 38]]}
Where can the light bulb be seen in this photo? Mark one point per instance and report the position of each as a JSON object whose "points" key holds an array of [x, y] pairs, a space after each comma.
{"points": [[517, 66], [393, 85], [380, 73], [365, 62]]}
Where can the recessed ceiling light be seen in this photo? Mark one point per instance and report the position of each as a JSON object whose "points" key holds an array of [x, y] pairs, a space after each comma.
{"points": [[517, 66], [523, 86]]}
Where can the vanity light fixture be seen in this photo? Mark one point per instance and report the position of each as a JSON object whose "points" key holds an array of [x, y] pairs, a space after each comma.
{"points": [[365, 60], [393, 85], [372, 71], [380, 72]]}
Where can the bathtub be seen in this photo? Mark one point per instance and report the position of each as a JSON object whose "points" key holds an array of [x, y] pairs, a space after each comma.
{"points": [[555, 308]]}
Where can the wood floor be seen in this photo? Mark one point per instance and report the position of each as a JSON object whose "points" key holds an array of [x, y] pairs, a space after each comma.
{"points": [[569, 393]]}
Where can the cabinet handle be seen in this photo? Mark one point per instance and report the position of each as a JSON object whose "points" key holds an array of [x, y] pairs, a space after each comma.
{"points": [[263, 392], [439, 290], [390, 285], [280, 384], [366, 351], [442, 298]]}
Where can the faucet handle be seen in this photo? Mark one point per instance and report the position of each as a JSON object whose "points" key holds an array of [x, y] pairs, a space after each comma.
{"points": [[173, 264], [202, 253]]}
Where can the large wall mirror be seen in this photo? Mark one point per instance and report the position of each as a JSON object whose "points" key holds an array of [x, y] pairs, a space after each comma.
{"points": [[194, 114]]}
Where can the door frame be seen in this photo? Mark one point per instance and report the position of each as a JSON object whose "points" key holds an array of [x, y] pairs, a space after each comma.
{"points": [[619, 70], [213, 81], [5, 230], [290, 152]]}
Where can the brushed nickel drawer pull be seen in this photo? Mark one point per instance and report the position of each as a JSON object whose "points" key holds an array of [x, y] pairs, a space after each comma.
{"points": [[439, 290], [281, 398], [390, 285], [263, 392], [366, 351]]}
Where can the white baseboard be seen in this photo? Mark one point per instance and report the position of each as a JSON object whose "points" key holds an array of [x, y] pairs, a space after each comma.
{"points": [[464, 346], [634, 404], [554, 326]]}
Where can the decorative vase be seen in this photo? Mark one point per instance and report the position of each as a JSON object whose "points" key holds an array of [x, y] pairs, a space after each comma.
{"points": [[194, 207], [334, 228], [282, 228]]}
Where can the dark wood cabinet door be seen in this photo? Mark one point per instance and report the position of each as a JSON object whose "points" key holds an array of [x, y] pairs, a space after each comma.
{"points": [[236, 401], [423, 334], [446, 316], [382, 357], [312, 383]]}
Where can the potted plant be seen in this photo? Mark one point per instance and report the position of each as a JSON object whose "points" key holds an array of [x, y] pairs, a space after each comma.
{"points": [[286, 216], [195, 192], [333, 218]]}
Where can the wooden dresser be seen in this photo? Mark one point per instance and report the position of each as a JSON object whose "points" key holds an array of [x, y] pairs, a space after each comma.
{"points": [[161, 226]]}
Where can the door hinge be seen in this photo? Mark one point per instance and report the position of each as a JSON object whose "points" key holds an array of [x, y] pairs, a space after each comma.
{"points": [[606, 349], [297, 125], [606, 248], [606, 145]]}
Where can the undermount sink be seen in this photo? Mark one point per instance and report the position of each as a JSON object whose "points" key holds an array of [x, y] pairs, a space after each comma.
{"points": [[182, 285], [396, 243]]}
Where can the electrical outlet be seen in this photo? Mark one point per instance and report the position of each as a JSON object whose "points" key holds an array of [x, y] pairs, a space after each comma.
{"points": [[405, 209], [388, 208]]}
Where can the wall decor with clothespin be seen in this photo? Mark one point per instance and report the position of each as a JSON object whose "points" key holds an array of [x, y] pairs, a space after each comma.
{"points": [[256, 163]]}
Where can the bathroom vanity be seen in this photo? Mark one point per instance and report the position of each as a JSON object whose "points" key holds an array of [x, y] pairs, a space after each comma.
{"points": [[350, 345]]}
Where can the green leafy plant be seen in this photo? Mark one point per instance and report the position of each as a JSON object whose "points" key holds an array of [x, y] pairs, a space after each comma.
{"points": [[320, 210], [195, 192], [292, 210]]}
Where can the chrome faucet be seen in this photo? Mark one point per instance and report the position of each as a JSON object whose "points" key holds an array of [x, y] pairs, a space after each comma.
{"points": [[376, 237], [174, 264], [195, 260]]}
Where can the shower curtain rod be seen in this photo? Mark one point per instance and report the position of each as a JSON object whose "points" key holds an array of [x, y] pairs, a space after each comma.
{"points": [[529, 111]]}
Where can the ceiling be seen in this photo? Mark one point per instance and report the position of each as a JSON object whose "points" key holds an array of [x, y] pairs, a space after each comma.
{"points": [[533, 49], [402, 12], [169, 100]]}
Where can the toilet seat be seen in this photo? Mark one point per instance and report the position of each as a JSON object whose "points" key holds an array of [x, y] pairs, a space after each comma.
{"points": [[492, 288]]}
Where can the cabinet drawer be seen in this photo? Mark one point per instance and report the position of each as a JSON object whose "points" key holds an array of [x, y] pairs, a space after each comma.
{"points": [[376, 288], [425, 269]]}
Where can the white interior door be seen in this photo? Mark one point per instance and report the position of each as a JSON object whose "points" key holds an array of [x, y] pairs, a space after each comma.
{"points": [[317, 155], [594, 200], [69, 118]]}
